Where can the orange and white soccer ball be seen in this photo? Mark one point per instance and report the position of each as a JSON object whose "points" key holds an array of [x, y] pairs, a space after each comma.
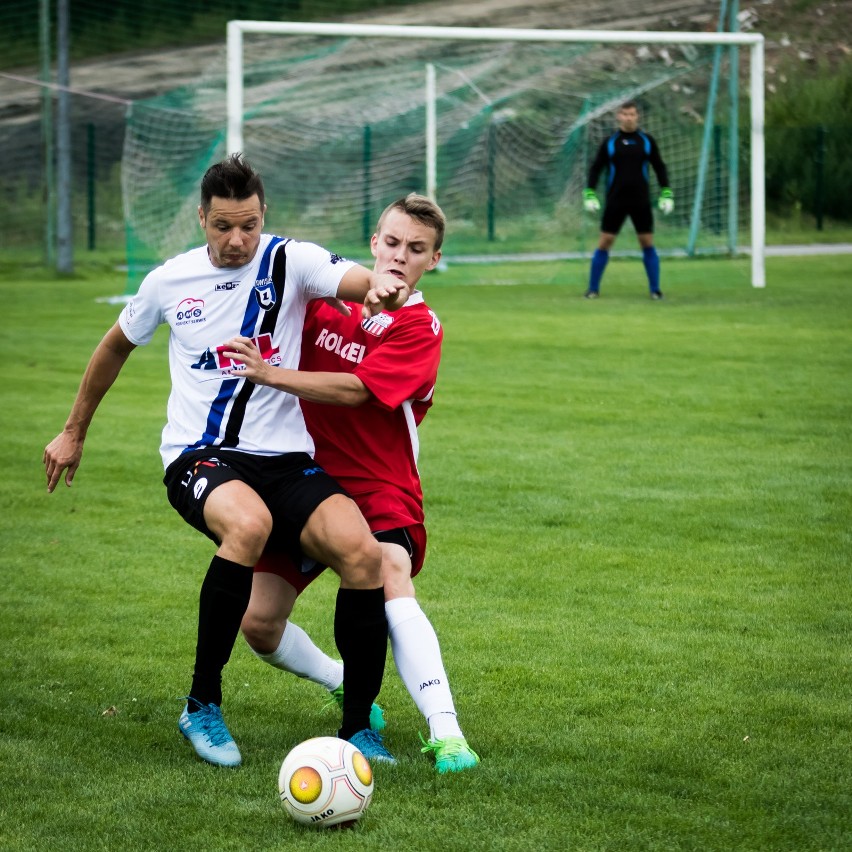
{"points": [[325, 781]]}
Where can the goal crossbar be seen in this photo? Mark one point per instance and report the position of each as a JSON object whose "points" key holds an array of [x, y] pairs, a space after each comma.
{"points": [[753, 41]]}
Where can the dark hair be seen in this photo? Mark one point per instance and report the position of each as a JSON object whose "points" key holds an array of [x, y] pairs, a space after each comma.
{"points": [[424, 210], [232, 178], [630, 105]]}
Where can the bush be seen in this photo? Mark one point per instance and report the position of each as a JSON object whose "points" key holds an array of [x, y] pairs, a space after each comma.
{"points": [[809, 145]]}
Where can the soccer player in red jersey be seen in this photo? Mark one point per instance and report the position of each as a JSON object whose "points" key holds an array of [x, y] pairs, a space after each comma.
{"points": [[380, 375]]}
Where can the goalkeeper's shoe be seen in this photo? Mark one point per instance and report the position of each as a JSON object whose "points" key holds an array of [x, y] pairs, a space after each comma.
{"points": [[211, 739], [370, 744], [591, 294], [656, 295], [377, 716], [452, 754]]}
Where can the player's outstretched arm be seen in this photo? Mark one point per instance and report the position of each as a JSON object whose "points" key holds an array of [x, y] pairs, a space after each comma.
{"points": [[387, 293], [378, 291], [344, 389], [65, 451]]}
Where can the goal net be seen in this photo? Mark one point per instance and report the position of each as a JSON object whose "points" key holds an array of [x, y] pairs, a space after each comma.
{"points": [[498, 126]]}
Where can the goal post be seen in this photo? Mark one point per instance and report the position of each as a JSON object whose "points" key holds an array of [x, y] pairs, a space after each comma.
{"points": [[753, 41], [499, 126]]}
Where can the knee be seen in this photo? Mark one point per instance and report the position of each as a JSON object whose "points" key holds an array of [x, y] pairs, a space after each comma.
{"points": [[397, 586], [338, 536], [396, 572], [247, 537], [360, 567], [262, 633]]}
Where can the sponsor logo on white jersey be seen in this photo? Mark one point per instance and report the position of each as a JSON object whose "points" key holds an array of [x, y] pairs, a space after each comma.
{"points": [[213, 364], [228, 285], [190, 311], [378, 324], [264, 292]]}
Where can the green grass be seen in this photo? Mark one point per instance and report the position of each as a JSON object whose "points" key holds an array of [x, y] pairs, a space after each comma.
{"points": [[639, 570]]}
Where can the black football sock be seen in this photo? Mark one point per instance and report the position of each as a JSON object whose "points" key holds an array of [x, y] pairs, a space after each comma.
{"points": [[222, 603], [361, 634]]}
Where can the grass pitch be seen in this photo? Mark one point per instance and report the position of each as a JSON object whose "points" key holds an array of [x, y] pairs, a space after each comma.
{"points": [[639, 571]]}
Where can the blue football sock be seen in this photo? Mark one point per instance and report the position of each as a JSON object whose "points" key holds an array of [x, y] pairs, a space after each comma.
{"points": [[652, 267], [599, 261]]}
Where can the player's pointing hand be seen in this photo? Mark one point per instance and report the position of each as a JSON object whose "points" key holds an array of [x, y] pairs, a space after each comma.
{"points": [[387, 293]]}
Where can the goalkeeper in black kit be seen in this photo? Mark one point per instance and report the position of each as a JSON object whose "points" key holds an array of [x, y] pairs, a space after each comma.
{"points": [[626, 156]]}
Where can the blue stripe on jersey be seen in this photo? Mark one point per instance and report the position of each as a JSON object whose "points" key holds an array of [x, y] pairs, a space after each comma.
{"points": [[610, 149], [647, 145], [216, 414], [253, 307]]}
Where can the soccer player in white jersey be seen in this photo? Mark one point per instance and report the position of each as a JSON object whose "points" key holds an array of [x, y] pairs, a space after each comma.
{"points": [[238, 457], [381, 374]]}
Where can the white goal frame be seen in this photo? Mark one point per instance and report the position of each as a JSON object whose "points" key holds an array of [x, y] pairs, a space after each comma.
{"points": [[754, 41]]}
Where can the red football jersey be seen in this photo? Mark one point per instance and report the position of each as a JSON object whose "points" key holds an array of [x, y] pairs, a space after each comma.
{"points": [[372, 450]]}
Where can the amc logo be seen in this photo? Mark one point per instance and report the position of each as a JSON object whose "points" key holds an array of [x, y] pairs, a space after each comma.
{"points": [[189, 309]]}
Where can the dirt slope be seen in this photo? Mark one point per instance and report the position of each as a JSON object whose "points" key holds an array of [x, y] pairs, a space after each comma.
{"points": [[795, 36]]}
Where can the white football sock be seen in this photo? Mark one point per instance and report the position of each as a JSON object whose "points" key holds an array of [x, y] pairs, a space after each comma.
{"points": [[417, 655], [297, 653]]}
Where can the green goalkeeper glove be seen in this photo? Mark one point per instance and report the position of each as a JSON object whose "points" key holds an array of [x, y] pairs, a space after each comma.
{"points": [[590, 201], [666, 202]]}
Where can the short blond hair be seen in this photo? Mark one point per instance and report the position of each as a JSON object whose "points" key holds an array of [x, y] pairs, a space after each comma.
{"points": [[421, 208]]}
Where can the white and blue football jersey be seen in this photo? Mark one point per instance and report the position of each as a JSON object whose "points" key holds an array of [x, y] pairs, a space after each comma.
{"points": [[205, 306]]}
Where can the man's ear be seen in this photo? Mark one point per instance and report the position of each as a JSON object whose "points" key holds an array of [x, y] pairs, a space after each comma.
{"points": [[201, 216], [374, 242], [435, 258]]}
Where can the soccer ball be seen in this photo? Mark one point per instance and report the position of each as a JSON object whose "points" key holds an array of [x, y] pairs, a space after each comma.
{"points": [[325, 782]]}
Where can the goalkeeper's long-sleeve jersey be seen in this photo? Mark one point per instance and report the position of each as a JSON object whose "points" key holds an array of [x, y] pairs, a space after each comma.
{"points": [[626, 157]]}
